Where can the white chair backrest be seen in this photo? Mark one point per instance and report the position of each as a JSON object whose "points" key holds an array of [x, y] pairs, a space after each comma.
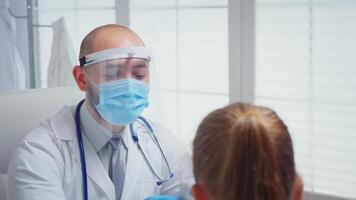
{"points": [[20, 111], [23, 110]]}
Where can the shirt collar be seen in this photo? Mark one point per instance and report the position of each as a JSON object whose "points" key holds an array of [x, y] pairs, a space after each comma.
{"points": [[97, 134]]}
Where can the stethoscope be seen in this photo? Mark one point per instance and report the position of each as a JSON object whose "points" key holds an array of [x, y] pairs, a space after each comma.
{"points": [[135, 140]]}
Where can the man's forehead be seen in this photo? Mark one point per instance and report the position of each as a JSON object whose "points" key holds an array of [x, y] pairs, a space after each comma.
{"points": [[116, 41], [107, 37]]}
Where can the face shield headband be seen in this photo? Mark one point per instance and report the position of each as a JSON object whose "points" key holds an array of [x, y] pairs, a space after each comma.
{"points": [[116, 53]]}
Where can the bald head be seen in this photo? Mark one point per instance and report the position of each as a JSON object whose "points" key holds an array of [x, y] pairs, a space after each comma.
{"points": [[107, 37]]}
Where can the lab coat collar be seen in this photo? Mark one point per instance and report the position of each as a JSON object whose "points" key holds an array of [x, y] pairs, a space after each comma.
{"points": [[64, 129], [63, 124]]}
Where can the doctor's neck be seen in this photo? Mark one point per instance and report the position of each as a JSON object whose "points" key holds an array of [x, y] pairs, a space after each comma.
{"points": [[113, 128]]}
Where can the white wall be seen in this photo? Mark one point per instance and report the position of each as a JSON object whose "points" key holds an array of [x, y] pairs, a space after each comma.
{"points": [[316, 196]]}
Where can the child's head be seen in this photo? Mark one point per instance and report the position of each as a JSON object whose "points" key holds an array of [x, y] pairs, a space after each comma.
{"points": [[244, 152]]}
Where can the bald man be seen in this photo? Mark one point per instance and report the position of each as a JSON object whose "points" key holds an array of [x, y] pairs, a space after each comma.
{"points": [[103, 148]]}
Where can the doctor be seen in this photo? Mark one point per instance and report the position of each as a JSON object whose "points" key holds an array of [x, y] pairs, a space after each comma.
{"points": [[102, 148]]}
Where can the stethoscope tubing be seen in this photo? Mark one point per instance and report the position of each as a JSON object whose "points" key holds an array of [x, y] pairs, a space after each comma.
{"points": [[81, 149]]}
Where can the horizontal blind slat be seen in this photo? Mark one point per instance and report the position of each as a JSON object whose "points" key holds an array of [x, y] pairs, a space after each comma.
{"points": [[305, 58]]}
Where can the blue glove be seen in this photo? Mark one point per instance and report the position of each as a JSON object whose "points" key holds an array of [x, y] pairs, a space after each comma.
{"points": [[162, 197]]}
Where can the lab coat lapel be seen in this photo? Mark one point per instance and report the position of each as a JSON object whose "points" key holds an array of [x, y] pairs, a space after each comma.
{"points": [[133, 167], [95, 169], [64, 129]]}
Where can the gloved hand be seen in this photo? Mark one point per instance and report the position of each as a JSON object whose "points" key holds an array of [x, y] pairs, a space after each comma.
{"points": [[162, 197]]}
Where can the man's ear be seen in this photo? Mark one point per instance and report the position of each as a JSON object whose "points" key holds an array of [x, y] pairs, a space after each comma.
{"points": [[298, 188], [198, 192], [79, 76]]}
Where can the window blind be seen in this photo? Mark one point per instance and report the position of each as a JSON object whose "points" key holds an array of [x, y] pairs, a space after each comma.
{"points": [[189, 41], [305, 70]]}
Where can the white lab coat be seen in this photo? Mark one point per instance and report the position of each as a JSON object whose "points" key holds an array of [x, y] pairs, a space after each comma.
{"points": [[46, 165], [12, 72], [63, 57]]}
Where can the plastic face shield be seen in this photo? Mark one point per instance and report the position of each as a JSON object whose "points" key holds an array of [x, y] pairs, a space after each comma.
{"points": [[118, 63], [136, 63], [121, 63]]}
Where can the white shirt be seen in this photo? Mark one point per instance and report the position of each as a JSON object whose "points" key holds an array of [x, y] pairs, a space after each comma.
{"points": [[99, 137]]}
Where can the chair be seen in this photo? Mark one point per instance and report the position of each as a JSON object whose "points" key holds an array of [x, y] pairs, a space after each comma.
{"points": [[22, 110]]}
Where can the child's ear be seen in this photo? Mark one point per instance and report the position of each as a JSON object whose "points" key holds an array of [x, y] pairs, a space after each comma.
{"points": [[198, 192], [298, 188]]}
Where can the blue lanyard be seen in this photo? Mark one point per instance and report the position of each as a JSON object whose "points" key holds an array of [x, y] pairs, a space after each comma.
{"points": [[134, 138]]}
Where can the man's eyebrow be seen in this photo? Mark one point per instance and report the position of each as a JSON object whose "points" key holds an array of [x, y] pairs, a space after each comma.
{"points": [[141, 65], [113, 65]]}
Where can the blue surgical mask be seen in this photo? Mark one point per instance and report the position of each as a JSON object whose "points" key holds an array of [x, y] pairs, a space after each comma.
{"points": [[122, 101]]}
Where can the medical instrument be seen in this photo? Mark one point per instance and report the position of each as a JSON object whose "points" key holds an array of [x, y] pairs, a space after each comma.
{"points": [[162, 197]]}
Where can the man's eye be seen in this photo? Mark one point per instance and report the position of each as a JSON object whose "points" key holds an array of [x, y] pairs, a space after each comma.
{"points": [[112, 73], [140, 76], [111, 76]]}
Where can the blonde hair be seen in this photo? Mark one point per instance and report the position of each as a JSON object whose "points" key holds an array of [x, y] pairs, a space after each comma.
{"points": [[244, 152]]}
